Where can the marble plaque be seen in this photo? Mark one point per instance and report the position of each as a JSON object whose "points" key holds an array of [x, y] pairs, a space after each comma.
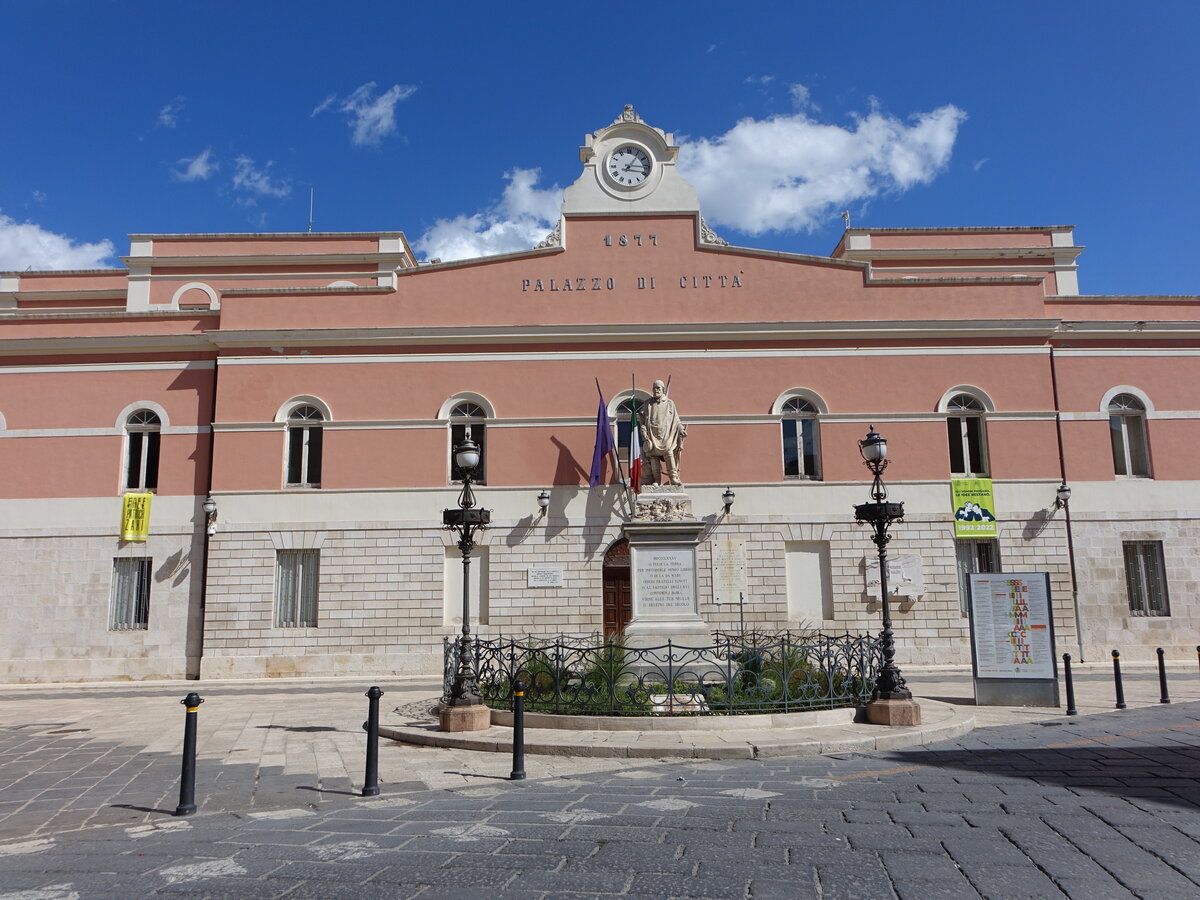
{"points": [[665, 581], [544, 577], [728, 569]]}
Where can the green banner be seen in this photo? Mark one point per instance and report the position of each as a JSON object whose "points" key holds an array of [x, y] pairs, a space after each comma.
{"points": [[974, 508]]}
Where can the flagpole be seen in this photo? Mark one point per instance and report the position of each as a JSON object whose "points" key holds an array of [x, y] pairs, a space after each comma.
{"points": [[632, 437], [616, 461]]}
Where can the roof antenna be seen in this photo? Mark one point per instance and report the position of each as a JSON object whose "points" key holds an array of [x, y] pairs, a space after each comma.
{"points": [[311, 191], [845, 214]]}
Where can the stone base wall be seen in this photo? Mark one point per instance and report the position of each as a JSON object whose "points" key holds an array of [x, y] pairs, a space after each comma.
{"points": [[1104, 610], [54, 610], [382, 596]]}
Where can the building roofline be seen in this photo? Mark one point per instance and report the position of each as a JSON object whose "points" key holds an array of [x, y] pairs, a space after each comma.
{"points": [[226, 235]]}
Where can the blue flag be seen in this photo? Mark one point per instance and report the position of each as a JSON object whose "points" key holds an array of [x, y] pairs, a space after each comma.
{"points": [[604, 443]]}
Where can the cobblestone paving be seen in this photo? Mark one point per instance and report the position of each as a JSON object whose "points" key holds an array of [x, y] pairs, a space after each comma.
{"points": [[1102, 806]]}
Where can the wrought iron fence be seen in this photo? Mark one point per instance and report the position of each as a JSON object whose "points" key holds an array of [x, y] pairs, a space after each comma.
{"points": [[738, 673]]}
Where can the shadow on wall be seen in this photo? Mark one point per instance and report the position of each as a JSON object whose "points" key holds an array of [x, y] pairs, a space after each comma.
{"points": [[1037, 523]]}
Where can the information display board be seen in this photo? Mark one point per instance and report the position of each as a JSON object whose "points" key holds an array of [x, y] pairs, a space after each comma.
{"points": [[1012, 639]]}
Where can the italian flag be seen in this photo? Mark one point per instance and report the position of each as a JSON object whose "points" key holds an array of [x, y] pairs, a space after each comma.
{"points": [[635, 450]]}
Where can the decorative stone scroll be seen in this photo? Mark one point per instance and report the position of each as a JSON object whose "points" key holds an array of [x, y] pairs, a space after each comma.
{"points": [[710, 237], [553, 239]]}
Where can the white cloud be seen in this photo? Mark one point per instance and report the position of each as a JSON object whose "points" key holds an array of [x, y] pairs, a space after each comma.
{"points": [[371, 118], [24, 245], [802, 97], [522, 218], [195, 168], [169, 114], [788, 173], [258, 182]]}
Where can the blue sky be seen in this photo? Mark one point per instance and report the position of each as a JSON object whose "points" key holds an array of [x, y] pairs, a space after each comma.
{"points": [[458, 123]]}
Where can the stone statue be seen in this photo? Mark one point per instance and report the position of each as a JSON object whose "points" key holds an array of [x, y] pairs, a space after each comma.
{"points": [[662, 437]]}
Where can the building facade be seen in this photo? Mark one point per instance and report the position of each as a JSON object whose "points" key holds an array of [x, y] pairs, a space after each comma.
{"points": [[311, 386]]}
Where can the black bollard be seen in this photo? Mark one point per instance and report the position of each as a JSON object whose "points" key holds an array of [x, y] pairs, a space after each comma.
{"points": [[1163, 696], [1071, 710], [371, 726], [187, 777], [1116, 655], [518, 769], [1198, 654]]}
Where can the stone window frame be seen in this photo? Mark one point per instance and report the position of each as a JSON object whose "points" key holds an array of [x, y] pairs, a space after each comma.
{"points": [[799, 411], [1146, 578], [467, 413], [966, 408], [303, 440], [1125, 405], [297, 587], [619, 414], [129, 596], [128, 441]]}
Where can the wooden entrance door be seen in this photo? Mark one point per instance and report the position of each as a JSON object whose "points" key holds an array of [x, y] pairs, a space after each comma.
{"points": [[618, 595]]}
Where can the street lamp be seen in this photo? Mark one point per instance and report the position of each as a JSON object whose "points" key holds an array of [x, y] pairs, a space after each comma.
{"points": [[465, 522], [879, 514], [1062, 495]]}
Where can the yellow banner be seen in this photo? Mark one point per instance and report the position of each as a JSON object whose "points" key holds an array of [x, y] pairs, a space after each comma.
{"points": [[974, 508], [135, 516]]}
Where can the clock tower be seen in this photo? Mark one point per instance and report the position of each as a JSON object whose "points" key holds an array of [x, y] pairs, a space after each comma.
{"points": [[629, 169]]}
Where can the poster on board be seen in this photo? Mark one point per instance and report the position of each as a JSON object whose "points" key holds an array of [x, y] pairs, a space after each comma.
{"points": [[1012, 627]]}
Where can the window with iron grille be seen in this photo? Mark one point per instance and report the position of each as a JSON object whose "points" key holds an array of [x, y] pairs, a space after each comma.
{"points": [[1146, 578], [296, 579], [129, 609], [973, 556]]}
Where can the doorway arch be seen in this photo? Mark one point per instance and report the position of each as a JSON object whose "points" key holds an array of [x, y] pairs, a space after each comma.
{"points": [[618, 595]]}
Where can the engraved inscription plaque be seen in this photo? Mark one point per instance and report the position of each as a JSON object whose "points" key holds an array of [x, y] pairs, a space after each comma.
{"points": [[665, 582], [728, 569]]}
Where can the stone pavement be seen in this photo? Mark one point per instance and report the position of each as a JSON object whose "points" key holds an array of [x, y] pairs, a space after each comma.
{"points": [[81, 756], [1099, 806]]}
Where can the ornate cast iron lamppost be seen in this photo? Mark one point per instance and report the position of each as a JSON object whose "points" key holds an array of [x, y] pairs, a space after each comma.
{"points": [[464, 711], [891, 700]]}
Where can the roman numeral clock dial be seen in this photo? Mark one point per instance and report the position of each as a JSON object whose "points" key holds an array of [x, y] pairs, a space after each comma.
{"points": [[629, 166]]}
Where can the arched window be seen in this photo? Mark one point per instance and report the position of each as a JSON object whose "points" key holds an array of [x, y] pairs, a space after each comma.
{"points": [[621, 412], [467, 419], [143, 429], [801, 439], [966, 435], [304, 439], [1127, 429]]}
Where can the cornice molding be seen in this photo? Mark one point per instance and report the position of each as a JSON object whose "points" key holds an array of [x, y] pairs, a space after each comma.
{"points": [[98, 344], [593, 333], [273, 260], [963, 252]]}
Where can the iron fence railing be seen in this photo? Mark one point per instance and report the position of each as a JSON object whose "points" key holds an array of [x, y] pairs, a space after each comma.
{"points": [[738, 673]]}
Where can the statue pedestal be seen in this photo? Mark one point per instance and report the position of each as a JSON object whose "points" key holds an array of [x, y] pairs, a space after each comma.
{"points": [[662, 548]]}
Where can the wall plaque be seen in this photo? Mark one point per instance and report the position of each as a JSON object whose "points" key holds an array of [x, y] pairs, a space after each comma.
{"points": [[665, 581], [544, 577], [728, 569]]}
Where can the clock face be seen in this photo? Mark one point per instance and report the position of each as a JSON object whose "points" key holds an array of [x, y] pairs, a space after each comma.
{"points": [[629, 166]]}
